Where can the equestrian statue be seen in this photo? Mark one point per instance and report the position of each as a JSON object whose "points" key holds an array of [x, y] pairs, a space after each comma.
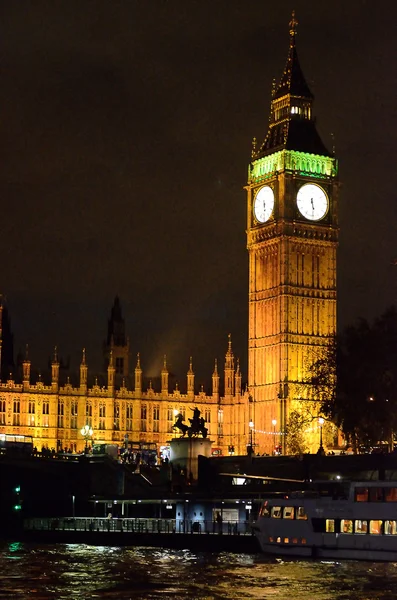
{"points": [[197, 425]]}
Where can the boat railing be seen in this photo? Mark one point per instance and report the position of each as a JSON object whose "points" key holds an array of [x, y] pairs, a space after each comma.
{"points": [[138, 525]]}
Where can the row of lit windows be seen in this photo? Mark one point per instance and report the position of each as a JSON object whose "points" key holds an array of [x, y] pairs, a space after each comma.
{"points": [[375, 494], [284, 512], [286, 540], [88, 414], [102, 410], [359, 526]]}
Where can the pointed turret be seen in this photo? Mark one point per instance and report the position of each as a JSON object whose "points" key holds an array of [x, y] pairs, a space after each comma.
{"points": [[26, 369], [138, 376], [111, 373], [229, 368], [55, 369], [164, 377], [291, 124], [190, 380], [215, 382], [237, 380], [83, 372]]}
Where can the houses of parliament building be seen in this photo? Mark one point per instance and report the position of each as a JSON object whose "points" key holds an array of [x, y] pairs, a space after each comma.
{"points": [[292, 236]]}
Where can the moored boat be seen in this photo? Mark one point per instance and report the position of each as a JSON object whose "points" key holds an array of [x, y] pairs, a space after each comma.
{"points": [[334, 519]]}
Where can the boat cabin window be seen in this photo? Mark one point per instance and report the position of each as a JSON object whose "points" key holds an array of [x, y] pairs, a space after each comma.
{"points": [[301, 513], [361, 494], [390, 528], [288, 512], [346, 526], [376, 494], [330, 525], [276, 512], [375, 527], [360, 526], [391, 494]]}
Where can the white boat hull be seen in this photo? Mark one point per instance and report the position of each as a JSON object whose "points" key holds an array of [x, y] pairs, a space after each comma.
{"points": [[361, 524]]}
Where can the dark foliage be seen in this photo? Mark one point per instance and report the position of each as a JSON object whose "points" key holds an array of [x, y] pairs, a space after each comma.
{"points": [[355, 381]]}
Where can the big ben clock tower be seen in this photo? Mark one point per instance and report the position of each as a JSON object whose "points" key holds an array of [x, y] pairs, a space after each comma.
{"points": [[292, 234]]}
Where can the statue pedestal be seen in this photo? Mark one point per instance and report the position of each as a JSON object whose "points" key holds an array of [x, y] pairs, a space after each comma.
{"points": [[185, 452]]}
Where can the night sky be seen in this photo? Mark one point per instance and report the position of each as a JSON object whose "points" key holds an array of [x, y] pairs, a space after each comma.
{"points": [[126, 131]]}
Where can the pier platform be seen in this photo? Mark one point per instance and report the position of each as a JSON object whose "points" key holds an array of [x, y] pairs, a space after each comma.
{"points": [[203, 537]]}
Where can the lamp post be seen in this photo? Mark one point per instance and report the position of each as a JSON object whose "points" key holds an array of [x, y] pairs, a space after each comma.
{"points": [[86, 432], [251, 444], [274, 423], [321, 423]]}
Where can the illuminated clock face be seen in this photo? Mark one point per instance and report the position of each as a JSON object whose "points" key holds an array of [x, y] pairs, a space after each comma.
{"points": [[264, 204], [312, 202]]}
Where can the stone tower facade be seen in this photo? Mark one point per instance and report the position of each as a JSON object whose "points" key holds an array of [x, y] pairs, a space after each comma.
{"points": [[292, 235]]}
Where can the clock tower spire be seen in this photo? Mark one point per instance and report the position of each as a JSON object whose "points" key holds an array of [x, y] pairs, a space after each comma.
{"points": [[292, 234]]}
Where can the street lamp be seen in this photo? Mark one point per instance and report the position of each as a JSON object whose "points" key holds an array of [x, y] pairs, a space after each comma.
{"points": [[321, 423], [251, 426], [86, 432]]}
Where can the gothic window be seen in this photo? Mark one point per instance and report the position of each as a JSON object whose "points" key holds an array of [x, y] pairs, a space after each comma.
{"points": [[220, 422], [61, 413], [183, 413], [46, 412], [170, 419], [73, 414], [116, 416], [129, 417], [300, 269], [156, 418], [102, 416], [207, 416], [16, 420], [143, 417], [88, 414], [2, 411]]}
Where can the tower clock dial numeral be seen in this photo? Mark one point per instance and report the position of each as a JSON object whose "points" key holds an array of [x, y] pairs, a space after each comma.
{"points": [[312, 202], [264, 204]]}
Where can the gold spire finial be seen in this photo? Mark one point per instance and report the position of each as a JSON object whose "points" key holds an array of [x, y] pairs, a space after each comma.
{"points": [[293, 24], [253, 151], [165, 361], [83, 360], [138, 361]]}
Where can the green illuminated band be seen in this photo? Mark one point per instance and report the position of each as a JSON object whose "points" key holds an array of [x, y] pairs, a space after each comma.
{"points": [[301, 163]]}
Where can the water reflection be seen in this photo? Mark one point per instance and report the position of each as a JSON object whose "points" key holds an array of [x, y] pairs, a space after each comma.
{"points": [[68, 572]]}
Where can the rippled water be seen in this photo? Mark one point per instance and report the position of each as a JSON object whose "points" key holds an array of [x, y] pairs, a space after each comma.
{"points": [[75, 571]]}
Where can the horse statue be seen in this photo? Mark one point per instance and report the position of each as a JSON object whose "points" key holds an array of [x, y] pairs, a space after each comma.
{"points": [[197, 425], [180, 425]]}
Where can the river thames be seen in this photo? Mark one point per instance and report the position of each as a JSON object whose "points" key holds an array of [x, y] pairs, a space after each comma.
{"points": [[81, 572]]}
